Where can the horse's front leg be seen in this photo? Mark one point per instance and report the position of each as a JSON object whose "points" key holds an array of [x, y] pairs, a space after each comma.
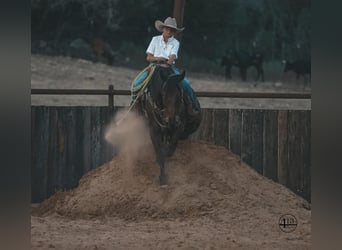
{"points": [[173, 142], [158, 149]]}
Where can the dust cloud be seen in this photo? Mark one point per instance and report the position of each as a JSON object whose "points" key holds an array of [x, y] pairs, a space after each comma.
{"points": [[129, 133]]}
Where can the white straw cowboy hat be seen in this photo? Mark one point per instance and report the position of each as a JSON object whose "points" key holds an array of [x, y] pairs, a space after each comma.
{"points": [[169, 22]]}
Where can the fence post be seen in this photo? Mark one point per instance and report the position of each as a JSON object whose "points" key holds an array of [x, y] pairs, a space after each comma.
{"points": [[111, 96]]}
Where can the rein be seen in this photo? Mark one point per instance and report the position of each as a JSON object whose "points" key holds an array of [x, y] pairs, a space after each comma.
{"points": [[157, 112], [155, 118]]}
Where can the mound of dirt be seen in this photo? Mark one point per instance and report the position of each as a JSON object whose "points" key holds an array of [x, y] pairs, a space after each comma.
{"points": [[204, 180]]}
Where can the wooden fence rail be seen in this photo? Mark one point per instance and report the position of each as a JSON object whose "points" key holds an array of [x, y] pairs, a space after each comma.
{"points": [[69, 141]]}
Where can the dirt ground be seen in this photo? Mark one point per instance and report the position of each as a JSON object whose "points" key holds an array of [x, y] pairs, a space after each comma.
{"points": [[213, 201]]}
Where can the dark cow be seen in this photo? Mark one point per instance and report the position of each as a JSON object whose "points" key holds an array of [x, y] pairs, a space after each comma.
{"points": [[257, 62], [300, 67], [102, 51], [243, 61]]}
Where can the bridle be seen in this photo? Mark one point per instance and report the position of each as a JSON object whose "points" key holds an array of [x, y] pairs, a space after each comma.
{"points": [[158, 111]]}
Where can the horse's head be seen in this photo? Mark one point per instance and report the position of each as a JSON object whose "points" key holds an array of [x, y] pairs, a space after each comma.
{"points": [[172, 98], [165, 91]]}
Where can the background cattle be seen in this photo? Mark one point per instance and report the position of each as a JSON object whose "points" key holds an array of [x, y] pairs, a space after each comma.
{"points": [[227, 62], [102, 51], [243, 61], [300, 67]]}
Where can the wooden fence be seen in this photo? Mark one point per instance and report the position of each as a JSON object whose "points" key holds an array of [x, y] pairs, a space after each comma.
{"points": [[69, 141], [276, 143]]}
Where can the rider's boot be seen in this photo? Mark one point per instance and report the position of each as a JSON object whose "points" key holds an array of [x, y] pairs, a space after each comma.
{"points": [[189, 107]]}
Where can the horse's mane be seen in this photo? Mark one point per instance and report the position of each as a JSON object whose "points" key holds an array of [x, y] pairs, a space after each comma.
{"points": [[161, 73]]}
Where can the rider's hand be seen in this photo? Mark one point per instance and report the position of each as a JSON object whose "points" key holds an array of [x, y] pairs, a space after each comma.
{"points": [[171, 59], [161, 59]]}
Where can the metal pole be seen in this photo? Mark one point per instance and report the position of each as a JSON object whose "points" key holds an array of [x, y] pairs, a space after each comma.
{"points": [[178, 13]]}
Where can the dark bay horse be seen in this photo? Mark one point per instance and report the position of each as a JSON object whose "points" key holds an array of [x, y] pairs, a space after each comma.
{"points": [[163, 107]]}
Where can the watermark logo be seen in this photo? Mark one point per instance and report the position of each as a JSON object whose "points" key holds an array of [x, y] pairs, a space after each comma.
{"points": [[287, 223]]}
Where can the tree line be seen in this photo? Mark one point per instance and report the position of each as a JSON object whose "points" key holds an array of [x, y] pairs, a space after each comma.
{"points": [[280, 29]]}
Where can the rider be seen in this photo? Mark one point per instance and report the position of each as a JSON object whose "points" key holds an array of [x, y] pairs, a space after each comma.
{"points": [[164, 49]]}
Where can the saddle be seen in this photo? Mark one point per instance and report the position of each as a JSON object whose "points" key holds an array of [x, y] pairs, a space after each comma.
{"points": [[191, 108]]}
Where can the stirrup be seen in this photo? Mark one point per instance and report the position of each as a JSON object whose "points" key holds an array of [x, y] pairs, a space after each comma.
{"points": [[190, 109]]}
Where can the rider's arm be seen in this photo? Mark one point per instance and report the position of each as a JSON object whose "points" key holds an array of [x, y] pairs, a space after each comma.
{"points": [[151, 58]]}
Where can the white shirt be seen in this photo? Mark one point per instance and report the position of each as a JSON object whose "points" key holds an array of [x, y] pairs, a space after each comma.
{"points": [[159, 48]]}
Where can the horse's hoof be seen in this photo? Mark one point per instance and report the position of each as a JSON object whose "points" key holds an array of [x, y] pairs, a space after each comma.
{"points": [[164, 186], [163, 181]]}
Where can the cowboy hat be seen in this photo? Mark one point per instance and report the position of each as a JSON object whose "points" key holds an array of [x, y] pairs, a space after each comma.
{"points": [[169, 22]]}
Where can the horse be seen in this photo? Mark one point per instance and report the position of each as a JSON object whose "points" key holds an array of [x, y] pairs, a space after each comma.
{"points": [[164, 108]]}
